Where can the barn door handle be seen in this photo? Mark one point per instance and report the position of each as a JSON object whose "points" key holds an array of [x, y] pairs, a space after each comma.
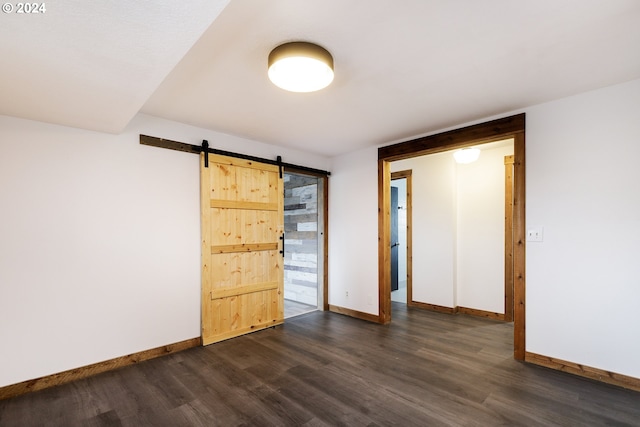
{"points": [[395, 244], [282, 251]]}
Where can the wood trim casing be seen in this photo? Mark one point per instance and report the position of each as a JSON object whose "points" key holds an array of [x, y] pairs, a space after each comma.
{"points": [[495, 130], [457, 310], [325, 252], [508, 238], [53, 380], [432, 307], [354, 313], [480, 313], [519, 247], [613, 378], [384, 242]]}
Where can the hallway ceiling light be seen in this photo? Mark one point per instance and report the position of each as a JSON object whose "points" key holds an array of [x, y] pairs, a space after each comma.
{"points": [[466, 155], [300, 67]]}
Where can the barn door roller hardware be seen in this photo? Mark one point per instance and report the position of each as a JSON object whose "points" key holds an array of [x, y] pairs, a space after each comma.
{"points": [[205, 149], [197, 149], [279, 160]]}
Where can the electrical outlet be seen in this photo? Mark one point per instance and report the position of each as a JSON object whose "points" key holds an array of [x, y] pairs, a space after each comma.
{"points": [[534, 234], [346, 294]]}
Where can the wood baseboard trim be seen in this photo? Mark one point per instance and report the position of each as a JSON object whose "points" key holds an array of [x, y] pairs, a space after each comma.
{"points": [[613, 378], [480, 313], [41, 383], [457, 310], [433, 307], [354, 313]]}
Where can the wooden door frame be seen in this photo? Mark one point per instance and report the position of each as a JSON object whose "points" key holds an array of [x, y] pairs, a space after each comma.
{"points": [[508, 238], [495, 130], [406, 175]]}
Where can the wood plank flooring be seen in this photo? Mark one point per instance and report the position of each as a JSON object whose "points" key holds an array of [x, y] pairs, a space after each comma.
{"points": [[324, 369]]}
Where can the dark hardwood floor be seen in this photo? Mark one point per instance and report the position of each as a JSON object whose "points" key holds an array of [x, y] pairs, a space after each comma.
{"points": [[425, 369]]}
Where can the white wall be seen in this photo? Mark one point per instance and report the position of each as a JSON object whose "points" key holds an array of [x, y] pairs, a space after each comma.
{"points": [[100, 241], [434, 227], [582, 179], [583, 280], [353, 236], [480, 230]]}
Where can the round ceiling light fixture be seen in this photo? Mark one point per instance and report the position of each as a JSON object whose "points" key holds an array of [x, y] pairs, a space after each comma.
{"points": [[300, 67], [467, 155]]}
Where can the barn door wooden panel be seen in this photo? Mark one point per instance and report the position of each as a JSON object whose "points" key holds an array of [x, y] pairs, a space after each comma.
{"points": [[242, 215]]}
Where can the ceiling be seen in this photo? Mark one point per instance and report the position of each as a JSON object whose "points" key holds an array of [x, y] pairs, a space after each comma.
{"points": [[402, 68]]}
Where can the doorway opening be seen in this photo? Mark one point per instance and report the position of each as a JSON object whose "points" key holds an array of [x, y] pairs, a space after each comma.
{"points": [[401, 237], [304, 232], [512, 127], [462, 233]]}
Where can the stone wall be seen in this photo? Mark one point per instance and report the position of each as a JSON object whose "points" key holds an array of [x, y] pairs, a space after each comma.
{"points": [[301, 238]]}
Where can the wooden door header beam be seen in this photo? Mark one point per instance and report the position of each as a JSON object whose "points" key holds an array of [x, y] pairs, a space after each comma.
{"points": [[197, 149], [457, 138]]}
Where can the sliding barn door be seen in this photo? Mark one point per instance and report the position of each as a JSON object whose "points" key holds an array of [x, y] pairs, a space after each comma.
{"points": [[242, 237]]}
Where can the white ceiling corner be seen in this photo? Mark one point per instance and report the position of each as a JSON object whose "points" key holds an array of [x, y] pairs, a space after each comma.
{"points": [[93, 65]]}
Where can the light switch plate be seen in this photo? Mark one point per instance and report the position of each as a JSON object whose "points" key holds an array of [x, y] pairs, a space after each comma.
{"points": [[534, 234]]}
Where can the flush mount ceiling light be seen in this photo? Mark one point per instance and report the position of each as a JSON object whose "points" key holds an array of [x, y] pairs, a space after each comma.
{"points": [[467, 155], [300, 67]]}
